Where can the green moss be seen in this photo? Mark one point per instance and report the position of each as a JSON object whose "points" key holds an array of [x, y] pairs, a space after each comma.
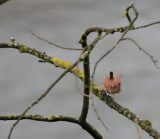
{"points": [[124, 14], [142, 125], [121, 110], [81, 41], [23, 49], [36, 116], [148, 122], [133, 27], [67, 65], [115, 45], [52, 117], [77, 72], [127, 109], [101, 98], [96, 90]]}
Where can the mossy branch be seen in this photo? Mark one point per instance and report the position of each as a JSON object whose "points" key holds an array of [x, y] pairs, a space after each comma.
{"points": [[55, 118], [43, 56]]}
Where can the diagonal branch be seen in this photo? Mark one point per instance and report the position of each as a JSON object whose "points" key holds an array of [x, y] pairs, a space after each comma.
{"points": [[3, 1], [140, 48], [49, 42], [145, 125]]}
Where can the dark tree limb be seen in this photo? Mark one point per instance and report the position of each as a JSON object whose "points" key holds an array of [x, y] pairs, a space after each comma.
{"points": [[56, 118], [3, 1], [145, 125]]}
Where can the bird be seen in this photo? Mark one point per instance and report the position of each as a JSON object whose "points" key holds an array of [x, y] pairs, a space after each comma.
{"points": [[112, 85]]}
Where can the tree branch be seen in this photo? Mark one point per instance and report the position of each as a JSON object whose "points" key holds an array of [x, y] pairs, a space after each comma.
{"points": [[55, 118], [86, 67], [145, 125], [3, 1]]}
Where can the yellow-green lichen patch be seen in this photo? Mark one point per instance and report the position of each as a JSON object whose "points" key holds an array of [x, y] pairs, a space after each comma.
{"points": [[127, 109], [77, 72], [67, 65], [96, 91], [101, 98], [133, 26], [27, 116], [115, 44], [52, 117], [129, 116], [121, 110], [36, 116], [119, 29], [124, 28], [60, 63], [36, 54], [23, 49], [81, 41], [148, 122], [57, 62], [9, 117], [143, 125], [124, 14]]}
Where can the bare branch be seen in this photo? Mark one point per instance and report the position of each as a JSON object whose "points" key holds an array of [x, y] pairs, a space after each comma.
{"points": [[3, 1], [140, 48], [144, 26], [145, 125], [49, 42], [86, 67], [55, 118], [137, 128], [98, 116]]}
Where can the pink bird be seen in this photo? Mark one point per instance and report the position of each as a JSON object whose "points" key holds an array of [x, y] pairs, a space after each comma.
{"points": [[112, 85]]}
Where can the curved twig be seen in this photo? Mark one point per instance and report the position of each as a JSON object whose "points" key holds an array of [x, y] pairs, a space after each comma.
{"points": [[140, 48], [49, 42]]}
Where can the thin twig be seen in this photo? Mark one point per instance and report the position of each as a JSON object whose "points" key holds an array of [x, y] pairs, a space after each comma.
{"points": [[49, 42], [137, 128], [97, 114], [140, 48], [144, 26]]}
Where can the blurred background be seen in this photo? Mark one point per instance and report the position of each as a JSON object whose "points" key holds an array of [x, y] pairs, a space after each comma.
{"points": [[23, 79]]}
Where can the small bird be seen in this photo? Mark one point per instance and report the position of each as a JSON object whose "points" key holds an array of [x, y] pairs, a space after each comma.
{"points": [[112, 85]]}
